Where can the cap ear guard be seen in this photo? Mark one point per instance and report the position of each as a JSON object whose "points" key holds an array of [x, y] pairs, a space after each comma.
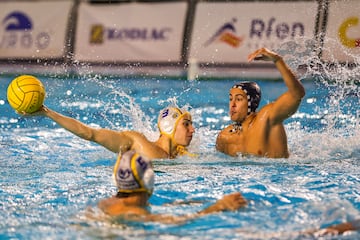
{"points": [[133, 173], [168, 119]]}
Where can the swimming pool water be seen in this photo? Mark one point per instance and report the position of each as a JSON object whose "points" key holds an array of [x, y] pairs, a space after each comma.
{"points": [[49, 177]]}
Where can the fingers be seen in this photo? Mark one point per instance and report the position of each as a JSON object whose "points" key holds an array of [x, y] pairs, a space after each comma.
{"points": [[39, 112], [256, 53], [234, 201], [20, 112], [263, 54], [240, 200]]}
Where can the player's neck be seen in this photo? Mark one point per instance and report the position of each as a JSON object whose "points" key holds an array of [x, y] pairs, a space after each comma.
{"points": [[165, 143], [246, 121]]}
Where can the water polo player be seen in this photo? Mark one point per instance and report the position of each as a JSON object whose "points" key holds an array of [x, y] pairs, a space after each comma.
{"points": [[176, 132], [171, 133], [134, 178], [260, 133]]}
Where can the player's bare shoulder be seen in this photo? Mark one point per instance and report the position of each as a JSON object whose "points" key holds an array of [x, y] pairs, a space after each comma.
{"points": [[135, 135], [228, 131]]}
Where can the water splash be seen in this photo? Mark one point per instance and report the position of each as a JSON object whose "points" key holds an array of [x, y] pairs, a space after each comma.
{"points": [[337, 113], [123, 107]]}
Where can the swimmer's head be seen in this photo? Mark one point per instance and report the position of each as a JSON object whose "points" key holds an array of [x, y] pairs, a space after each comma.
{"points": [[133, 173], [169, 119], [253, 93]]}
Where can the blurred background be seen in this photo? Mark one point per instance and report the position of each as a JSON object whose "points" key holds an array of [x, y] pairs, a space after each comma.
{"points": [[183, 38]]}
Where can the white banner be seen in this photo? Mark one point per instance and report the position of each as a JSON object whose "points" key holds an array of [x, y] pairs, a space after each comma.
{"points": [[130, 32], [227, 32], [342, 38], [33, 30]]}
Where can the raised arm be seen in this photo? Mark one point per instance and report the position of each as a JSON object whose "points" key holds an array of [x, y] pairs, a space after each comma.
{"points": [[287, 103], [112, 140]]}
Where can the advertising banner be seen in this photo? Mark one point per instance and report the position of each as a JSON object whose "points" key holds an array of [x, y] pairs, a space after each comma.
{"points": [[226, 32], [33, 30], [342, 37], [144, 32]]}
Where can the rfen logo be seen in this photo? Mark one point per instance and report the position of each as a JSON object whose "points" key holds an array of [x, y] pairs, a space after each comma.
{"points": [[271, 28], [227, 34], [20, 33]]}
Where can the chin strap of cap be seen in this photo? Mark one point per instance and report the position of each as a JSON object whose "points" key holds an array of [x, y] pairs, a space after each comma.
{"points": [[181, 150]]}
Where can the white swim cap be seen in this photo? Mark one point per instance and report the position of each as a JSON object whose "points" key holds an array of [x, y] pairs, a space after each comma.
{"points": [[168, 120], [133, 173]]}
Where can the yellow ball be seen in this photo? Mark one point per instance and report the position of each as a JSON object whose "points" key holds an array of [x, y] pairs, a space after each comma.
{"points": [[26, 94]]}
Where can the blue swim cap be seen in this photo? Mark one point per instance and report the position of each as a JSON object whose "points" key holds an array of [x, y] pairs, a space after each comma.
{"points": [[253, 93]]}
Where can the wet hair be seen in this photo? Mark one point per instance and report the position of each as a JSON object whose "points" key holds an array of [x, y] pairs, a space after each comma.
{"points": [[253, 93]]}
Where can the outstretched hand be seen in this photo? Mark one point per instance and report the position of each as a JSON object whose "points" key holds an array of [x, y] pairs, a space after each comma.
{"points": [[230, 202], [263, 54], [39, 112]]}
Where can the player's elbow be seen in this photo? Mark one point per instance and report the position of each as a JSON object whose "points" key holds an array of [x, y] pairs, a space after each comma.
{"points": [[220, 144], [301, 92], [88, 134]]}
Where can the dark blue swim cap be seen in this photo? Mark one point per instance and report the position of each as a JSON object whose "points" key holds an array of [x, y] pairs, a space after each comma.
{"points": [[253, 93]]}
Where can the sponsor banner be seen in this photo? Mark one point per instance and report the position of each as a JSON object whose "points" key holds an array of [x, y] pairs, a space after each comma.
{"points": [[342, 37], [227, 32], [33, 30], [130, 32]]}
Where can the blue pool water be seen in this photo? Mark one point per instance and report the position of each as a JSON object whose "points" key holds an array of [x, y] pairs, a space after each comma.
{"points": [[49, 177]]}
